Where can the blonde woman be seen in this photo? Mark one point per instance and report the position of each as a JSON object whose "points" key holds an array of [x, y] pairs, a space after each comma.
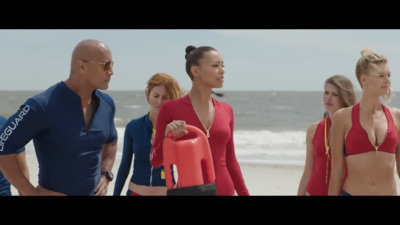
{"points": [[364, 137]]}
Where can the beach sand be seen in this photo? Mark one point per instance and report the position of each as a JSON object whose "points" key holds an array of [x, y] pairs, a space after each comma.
{"points": [[261, 180]]}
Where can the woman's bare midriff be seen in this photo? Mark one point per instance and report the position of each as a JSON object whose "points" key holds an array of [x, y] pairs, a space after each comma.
{"points": [[371, 173], [147, 190]]}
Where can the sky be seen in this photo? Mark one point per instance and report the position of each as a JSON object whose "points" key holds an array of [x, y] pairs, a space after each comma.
{"points": [[255, 59]]}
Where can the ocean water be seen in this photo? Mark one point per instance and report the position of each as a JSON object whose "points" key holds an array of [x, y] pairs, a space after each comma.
{"points": [[270, 126]]}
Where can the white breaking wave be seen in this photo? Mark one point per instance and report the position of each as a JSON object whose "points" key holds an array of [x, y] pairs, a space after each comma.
{"points": [[267, 147]]}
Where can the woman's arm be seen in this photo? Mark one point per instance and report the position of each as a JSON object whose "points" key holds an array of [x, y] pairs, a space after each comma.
{"points": [[309, 163]]}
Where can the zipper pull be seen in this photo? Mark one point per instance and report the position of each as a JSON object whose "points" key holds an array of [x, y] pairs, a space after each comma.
{"points": [[162, 175]]}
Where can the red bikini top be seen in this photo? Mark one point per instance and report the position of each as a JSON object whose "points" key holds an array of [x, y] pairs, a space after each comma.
{"points": [[357, 140]]}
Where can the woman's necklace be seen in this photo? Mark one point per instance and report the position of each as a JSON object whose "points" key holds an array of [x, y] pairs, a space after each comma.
{"points": [[212, 121], [326, 136], [326, 141]]}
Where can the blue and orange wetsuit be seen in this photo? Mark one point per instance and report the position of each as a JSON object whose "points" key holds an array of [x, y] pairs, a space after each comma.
{"points": [[137, 143]]}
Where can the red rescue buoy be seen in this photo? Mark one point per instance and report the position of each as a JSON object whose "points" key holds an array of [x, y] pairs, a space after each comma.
{"points": [[192, 158]]}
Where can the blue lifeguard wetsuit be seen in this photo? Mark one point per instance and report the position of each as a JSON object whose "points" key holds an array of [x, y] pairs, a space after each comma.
{"points": [[5, 187], [69, 154], [137, 142]]}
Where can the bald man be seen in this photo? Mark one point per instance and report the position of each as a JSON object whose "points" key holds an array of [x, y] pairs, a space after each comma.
{"points": [[72, 128]]}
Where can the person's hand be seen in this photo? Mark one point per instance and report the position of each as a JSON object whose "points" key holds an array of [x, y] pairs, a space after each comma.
{"points": [[177, 128], [40, 190], [102, 187]]}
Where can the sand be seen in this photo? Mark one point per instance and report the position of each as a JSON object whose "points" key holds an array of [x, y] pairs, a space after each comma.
{"points": [[261, 180]]}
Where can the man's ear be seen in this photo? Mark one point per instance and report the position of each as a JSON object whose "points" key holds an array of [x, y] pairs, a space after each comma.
{"points": [[81, 65]]}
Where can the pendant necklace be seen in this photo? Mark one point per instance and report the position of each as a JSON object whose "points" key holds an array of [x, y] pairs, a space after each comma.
{"points": [[326, 136]]}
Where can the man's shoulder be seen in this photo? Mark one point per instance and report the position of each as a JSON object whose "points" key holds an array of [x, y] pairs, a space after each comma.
{"points": [[106, 97], [45, 97]]}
